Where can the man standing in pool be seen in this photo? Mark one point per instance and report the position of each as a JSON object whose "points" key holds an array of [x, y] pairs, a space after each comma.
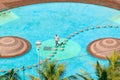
{"points": [[56, 40]]}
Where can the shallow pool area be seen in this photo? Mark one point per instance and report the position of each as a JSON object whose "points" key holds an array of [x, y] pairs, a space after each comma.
{"points": [[83, 22]]}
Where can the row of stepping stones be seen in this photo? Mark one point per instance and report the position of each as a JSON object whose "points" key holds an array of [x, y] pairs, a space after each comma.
{"points": [[72, 35], [54, 51]]}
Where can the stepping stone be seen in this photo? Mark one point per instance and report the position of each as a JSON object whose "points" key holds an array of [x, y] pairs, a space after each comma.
{"points": [[81, 30], [97, 27], [76, 32], [86, 29]]}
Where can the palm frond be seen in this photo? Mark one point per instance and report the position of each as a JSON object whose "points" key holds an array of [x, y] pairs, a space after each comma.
{"points": [[85, 77], [50, 70], [33, 77], [73, 77], [11, 75], [98, 69]]}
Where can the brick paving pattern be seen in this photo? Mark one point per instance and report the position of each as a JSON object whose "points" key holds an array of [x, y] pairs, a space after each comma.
{"points": [[7, 4]]}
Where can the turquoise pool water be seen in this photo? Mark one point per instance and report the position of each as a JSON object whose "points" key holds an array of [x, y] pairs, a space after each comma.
{"points": [[43, 21]]}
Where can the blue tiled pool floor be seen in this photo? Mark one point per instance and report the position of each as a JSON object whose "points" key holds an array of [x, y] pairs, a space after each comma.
{"points": [[43, 21]]}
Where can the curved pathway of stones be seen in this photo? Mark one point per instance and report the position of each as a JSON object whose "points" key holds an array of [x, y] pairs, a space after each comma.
{"points": [[54, 50]]}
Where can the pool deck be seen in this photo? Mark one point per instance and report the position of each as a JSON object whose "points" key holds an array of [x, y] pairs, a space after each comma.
{"points": [[7, 4], [3, 6]]}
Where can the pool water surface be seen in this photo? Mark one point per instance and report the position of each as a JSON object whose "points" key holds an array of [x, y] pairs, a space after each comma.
{"points": [[43, 21]]}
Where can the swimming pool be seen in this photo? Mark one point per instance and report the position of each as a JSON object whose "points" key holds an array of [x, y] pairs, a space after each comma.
{"points": [[43, 21]]}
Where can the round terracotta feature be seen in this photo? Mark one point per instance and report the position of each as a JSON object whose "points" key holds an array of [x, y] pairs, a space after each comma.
{"points": [[103, 48], [11, 46]]}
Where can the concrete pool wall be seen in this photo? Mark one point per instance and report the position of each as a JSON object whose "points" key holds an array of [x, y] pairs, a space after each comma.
{"points": [[16, 3]]}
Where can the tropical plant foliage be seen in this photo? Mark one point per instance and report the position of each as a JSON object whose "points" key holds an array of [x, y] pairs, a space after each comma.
{"points": [[111, 72], [11, 75], [113, 69], [33, 77], [50, 71], [82, 76], [101, 72]]}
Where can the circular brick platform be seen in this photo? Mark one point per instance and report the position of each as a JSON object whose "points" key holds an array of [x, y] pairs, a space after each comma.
{"points": [[104, 47], [11, 46]]}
